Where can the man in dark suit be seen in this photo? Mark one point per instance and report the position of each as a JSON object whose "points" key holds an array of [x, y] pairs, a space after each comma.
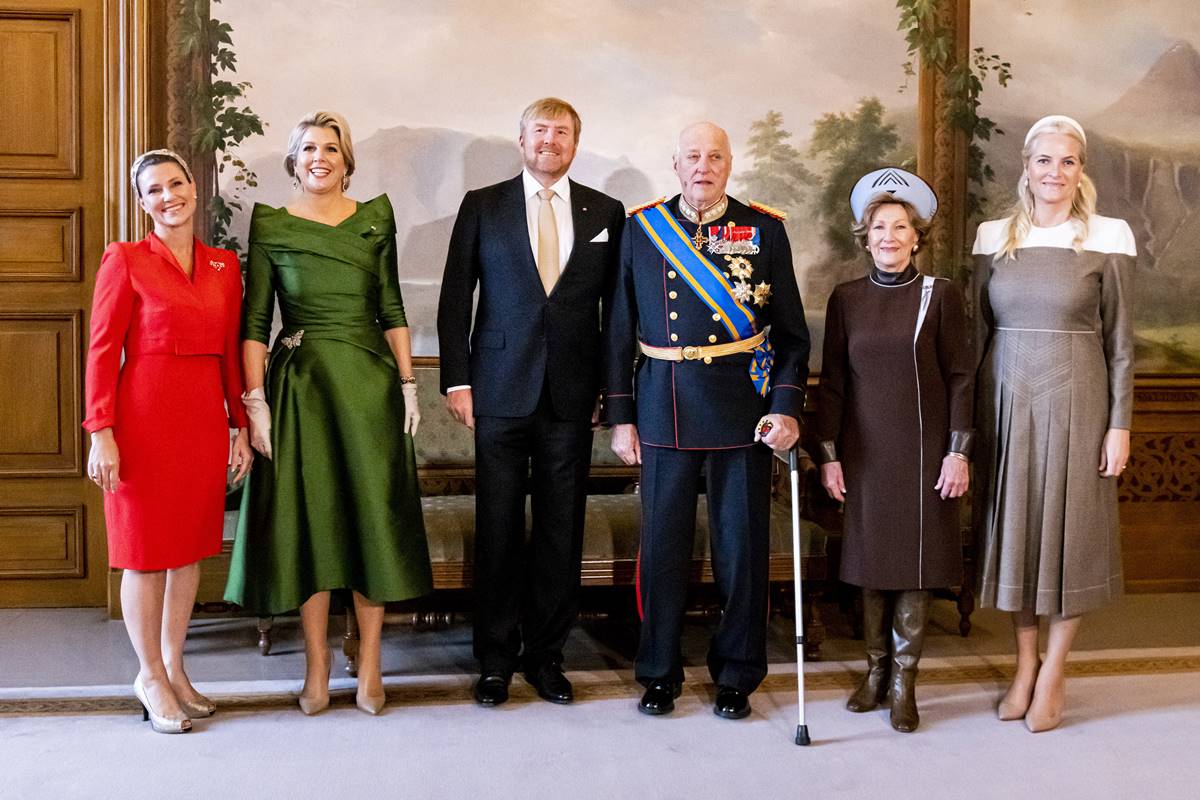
{"points": [[707, 294], [542, 250]]}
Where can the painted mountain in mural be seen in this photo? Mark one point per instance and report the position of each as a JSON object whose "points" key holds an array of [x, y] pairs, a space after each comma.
{"points": [[425, 173], [1144, 155], [1163, 108]]}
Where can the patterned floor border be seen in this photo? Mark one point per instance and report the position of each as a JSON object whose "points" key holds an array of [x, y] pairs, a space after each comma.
{"points": [[604, 686]]}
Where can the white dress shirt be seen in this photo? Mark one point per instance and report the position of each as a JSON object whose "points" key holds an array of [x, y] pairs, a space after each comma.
{"points": [[561, 203]]}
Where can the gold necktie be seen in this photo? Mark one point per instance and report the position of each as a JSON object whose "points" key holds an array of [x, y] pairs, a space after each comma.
{"points": [[547, 241]]}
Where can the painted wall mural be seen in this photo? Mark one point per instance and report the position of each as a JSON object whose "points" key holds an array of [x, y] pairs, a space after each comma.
{"points": [[433, 92]]}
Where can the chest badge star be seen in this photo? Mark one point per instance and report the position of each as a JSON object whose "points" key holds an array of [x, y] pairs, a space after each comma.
{"points": [[762, 293], [739, 267], [742, 292]]}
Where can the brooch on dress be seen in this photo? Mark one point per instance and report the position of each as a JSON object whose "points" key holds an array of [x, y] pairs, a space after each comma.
{"points": [[293, 341], [216, 264]]}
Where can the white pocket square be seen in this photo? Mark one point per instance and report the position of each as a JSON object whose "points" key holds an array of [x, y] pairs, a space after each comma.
{"points": [[602, 236]]}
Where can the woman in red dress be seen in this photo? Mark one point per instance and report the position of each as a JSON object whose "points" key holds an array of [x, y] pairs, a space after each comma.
{"points": [[160, 421]]}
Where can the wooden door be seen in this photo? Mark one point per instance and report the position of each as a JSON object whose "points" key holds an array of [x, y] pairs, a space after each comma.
{"points": [[52, 231]]}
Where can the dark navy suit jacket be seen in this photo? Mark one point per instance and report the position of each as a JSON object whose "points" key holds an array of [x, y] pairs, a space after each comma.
{"points": [[691, 404], [521, 336]]}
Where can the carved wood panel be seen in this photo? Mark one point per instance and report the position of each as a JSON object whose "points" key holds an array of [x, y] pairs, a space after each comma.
{"points": [[1163, 467], [39, 368], [42, 542], [40, 245], [39, 94]]}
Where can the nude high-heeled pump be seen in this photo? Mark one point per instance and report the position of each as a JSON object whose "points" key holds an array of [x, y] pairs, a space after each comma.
{"points": [[370, 703], [315, 703]]}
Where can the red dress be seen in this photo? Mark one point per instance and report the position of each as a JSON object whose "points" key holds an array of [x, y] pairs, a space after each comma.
{"points": [[167, 402]]}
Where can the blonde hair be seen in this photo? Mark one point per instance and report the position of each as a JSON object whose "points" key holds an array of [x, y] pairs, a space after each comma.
{"points": [[321, 119], [862, 229], [550, 108], [1083, 204]]}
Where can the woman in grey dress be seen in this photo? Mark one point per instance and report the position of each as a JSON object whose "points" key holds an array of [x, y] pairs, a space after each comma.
{"points": [[1055, 400], [895, 430]]}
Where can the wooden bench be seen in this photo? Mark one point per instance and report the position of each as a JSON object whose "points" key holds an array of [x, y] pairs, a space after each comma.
{"points": [[445, 464]]}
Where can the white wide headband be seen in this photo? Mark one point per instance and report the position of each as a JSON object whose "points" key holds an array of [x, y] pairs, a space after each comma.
{"points": [[1035, 129]]}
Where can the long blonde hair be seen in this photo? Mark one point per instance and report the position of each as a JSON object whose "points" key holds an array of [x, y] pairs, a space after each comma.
{"points": [[1083, 204]]}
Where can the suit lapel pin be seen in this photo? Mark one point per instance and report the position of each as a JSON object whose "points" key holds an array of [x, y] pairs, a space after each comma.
{"points": [[217, 265]]}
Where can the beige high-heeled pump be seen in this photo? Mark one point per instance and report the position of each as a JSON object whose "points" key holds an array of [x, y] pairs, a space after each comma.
{"points": [[315, 704], [370, 703], [158, 722]]}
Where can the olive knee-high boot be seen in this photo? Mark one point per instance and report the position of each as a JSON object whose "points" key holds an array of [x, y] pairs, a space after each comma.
{"points": [[877, 617], [908, 635]]}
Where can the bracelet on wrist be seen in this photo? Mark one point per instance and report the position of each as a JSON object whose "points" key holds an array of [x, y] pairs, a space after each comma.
{"points": [[408, 379], [960, 457]]}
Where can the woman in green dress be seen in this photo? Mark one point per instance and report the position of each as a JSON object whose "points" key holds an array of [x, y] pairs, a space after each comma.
{"points": [[335, 505]]}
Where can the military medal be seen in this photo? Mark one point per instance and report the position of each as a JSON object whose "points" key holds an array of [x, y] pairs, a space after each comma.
{"points": [[699, 239], [734, 240]]}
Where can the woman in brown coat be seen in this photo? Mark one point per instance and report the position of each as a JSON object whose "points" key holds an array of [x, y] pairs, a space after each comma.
{"points": [[895, 433]]}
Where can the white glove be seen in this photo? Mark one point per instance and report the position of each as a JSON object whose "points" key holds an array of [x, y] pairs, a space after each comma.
{"points": [[259, 412], [412, 411]]}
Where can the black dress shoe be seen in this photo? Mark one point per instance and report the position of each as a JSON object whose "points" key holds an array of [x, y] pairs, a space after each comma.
{"points": [[551, 684], [731, 703], [660, 698], [491, 689]]}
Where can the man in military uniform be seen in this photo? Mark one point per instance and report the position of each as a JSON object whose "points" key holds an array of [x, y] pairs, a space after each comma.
{"points": [[707, 296]]}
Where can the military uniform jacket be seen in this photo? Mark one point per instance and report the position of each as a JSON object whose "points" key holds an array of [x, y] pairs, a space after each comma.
{"points": [[694, 404]]}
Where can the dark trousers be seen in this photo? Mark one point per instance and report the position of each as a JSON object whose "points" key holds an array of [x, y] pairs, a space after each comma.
{"points": [[739, 497], [527, 592]]}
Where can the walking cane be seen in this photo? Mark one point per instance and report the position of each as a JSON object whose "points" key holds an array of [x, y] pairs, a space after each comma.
{"points": [[794, 469]]}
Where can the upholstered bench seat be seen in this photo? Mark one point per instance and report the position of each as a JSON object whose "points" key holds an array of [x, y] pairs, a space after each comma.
{"points": [[610, 540]]}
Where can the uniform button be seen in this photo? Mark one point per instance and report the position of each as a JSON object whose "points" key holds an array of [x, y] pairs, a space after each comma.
{"points": [[674, 337], [674, 315], [708, 359], [672, 295], [712, 337], [671, 274], [716, 317]]}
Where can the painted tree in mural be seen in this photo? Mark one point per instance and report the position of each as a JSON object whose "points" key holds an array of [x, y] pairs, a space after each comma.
{"points": [[779, 177], [219, 119], [849, 145]]}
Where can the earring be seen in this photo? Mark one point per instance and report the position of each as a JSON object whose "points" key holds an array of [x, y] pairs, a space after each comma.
{"points": [[916, 247], [345, 182], [295, 183]]}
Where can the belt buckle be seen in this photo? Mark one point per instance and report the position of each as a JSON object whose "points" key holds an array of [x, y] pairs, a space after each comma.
{"points": [[691, 353]]}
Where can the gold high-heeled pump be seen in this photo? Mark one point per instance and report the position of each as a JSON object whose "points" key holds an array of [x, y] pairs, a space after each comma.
{"points": [[159, 723], [200, 708]]}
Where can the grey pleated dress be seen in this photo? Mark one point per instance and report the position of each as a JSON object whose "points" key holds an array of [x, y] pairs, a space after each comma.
{"points": [[1057, 373]]}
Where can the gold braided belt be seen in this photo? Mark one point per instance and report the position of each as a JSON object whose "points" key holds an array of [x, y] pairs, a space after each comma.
{"points": [[698, 352]]}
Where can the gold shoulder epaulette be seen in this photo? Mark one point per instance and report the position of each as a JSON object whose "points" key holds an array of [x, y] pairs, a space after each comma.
{"points": [[768, 210], [631, 211]]}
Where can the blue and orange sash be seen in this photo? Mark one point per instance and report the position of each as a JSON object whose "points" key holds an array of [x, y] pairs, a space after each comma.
{"points": [[709, 284]]}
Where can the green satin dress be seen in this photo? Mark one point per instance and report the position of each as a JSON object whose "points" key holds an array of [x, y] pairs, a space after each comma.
{"points": [[337, 506]]}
